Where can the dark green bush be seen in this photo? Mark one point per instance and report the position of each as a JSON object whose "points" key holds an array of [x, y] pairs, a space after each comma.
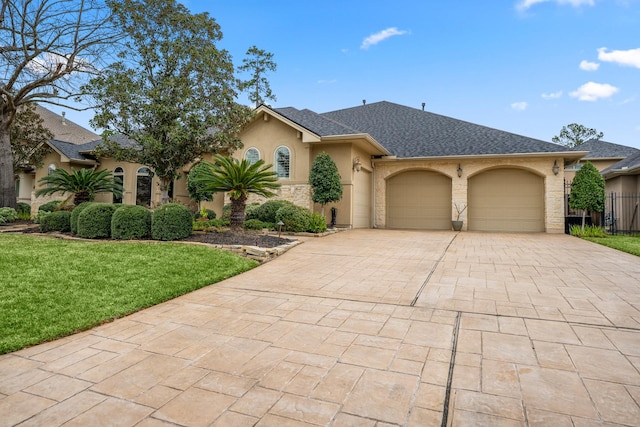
{"points": [[75, 213], [23, 208], [318, 223], [226, 212], [8, 215], [171, 222], [210, 214], [131, 222], [94, 222], [256, 224], [295, 218], [267, 211], [56, 221], [251, 211], [210, 225], [49, 206]]}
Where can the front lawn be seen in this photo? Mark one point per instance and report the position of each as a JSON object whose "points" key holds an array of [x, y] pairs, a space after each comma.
{"points": [[50, 288], [628, 244]]}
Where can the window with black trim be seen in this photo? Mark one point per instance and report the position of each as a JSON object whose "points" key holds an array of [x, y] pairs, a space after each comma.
{"points": [[252, 155], [282, 162], [118, 176], [143, 187]]}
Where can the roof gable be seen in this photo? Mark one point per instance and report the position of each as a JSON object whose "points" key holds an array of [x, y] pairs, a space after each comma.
{"points": [[64, 129]]}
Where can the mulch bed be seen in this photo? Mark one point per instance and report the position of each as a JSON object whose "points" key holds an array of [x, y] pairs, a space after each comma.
{"points": [[244, 238]]}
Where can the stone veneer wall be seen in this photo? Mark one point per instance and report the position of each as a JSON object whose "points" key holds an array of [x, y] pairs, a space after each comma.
{"points": [[554, 184], [299, 194]]}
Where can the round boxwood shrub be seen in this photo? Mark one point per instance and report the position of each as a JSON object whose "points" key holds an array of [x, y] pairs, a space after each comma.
{"points": [[256, 224], [56, 221], [75, 213], [251, 211], [94, 222], [226, 212], [295, 218], [8, 215], [131, 222], [49, 206], [267, 211], [171, 222]]}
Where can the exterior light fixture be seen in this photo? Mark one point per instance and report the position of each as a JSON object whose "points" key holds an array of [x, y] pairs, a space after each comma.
{"points": [[459, 171], [280, 224], [555, 167], [357, 165]]}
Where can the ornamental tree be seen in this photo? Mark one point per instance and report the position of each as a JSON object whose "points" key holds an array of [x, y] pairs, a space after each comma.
{"points": [[575, 134], [587, 190], [325, 180], [172, 92]]}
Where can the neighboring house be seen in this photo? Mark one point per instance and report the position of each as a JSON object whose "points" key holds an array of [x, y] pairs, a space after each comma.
{"points": [[406, 168], [602, 155], [401, 167], [622, 186]]}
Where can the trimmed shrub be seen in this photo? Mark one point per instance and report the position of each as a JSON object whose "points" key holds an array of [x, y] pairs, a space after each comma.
{"points": [[256, 224], [210, 214], [295, 218], [94, 222], [251, 211], [8, 215], [267, 211], [131, 222], [49, 206], [226, 212], [56, 221], [318, 223], [171, 222], [75, 213], [23, 208]]}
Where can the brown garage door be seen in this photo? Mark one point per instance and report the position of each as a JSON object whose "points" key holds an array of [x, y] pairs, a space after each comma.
{"points": [[419, 200], [506, 200], [362, 200]]}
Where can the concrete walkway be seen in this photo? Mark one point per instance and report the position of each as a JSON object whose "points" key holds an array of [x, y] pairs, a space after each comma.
{"points": [[357, 329]]}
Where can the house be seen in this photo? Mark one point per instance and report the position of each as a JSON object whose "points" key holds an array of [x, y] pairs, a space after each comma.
{"points": [[602, 154], [622, 188], [401, 167]]}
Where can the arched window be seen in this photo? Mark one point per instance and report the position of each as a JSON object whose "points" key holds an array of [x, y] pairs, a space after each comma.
{"points": [[143, 187], [252, 155], [282, 162], [51, 168], [118, 176]]}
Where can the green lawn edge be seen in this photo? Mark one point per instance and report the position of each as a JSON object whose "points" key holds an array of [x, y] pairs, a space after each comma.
{"points": [[51, 288], [628, 244]]}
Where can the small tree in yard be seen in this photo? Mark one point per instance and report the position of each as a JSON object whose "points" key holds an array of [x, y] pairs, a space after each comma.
{"points": [[587, 190], [325, 180], [195, 188], [239, 179]]}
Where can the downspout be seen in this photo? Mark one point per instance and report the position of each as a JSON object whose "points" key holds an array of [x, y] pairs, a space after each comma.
{"points": [[373, 195]]}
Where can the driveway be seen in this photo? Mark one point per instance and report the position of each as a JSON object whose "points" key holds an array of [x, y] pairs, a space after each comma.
{"points": [[362, 328]]}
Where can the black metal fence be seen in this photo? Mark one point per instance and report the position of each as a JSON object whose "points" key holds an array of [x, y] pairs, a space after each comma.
{"points": [[621, 213]]}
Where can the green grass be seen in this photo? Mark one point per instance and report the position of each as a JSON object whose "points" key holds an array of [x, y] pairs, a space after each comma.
{"points": [[50, 288], [628, 244]]}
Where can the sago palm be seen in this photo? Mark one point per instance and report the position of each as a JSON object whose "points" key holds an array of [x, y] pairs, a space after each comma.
{"points": [[83, 184], [239, 178]]}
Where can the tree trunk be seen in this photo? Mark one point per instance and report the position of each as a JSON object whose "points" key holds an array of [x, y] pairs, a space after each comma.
{"points": [[164, 191], [237, 213], [584, 214], [7, 177]]}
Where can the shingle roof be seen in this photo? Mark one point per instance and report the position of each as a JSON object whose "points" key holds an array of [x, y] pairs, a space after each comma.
{"points": [[77, 151], [630, 163], [64, 129], [409, 132], [605, 150]]}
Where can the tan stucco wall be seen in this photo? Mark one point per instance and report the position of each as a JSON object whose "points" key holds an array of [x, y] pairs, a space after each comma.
{"points": [[601, 165], [554, 184], [623, 184]]}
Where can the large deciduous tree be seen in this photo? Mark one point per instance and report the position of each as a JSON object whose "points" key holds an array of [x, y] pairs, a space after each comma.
{"points": [[325, 180], [575, 134], [29, 138], [172, 91], [587, 190], [47, 49], [257, 62]]}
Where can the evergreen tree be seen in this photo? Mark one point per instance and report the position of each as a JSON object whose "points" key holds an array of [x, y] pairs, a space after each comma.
{"points": [[587, 190], [575, 134], [325, 180]]}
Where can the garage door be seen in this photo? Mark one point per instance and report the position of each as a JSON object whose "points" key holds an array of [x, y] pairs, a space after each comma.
{"points": [[362, 200], [506, 200], [419, 200]]}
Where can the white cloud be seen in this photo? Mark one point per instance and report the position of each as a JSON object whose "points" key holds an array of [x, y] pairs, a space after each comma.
{"points": [[376, 38], [593, 91], [552, 95], [526, 4], [630, 58], [50, 62], [519, 106], [589, 66]]}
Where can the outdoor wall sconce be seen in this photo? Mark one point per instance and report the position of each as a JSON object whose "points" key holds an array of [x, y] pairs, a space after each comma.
{"points": [[459, 171], [555, 167], [357, 165]]}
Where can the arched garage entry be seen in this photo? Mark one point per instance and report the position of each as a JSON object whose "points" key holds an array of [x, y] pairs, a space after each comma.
{"points": [[506, 200], [419, 200]]}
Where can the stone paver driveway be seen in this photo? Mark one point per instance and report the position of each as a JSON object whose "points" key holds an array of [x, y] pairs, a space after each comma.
{"points": [[362, 328]]}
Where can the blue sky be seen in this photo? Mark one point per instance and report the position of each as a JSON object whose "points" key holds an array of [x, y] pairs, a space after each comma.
{"points": [[524, 66]]}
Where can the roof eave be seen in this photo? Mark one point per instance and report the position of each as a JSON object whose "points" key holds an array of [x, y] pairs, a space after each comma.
{"points": [[307, 136], [381, 151], [567, 155]]}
